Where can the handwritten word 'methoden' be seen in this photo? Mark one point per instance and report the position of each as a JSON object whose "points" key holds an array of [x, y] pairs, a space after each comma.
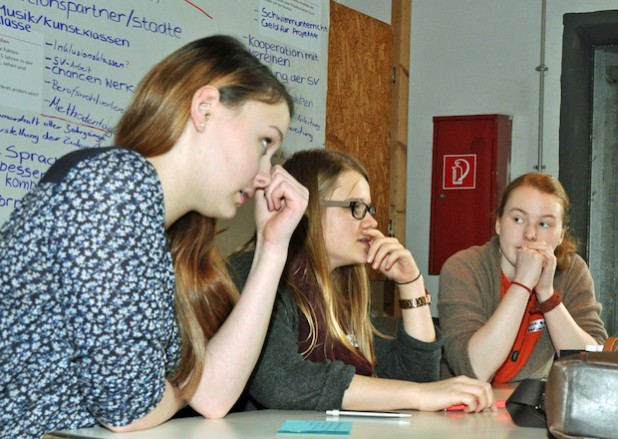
{"points": [[71, 111]]}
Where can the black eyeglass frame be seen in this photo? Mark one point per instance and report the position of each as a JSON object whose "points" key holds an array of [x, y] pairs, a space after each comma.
{"points": [[352, 205]]}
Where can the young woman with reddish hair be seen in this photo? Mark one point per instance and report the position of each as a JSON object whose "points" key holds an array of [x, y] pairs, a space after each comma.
{"points": [[507, 308]]}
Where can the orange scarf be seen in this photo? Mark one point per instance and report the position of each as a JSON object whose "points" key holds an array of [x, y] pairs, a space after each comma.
{"points": [[530, 331]]}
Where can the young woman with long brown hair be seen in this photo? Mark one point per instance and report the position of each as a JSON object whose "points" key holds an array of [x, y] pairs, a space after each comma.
{"points": [[116, 308], [322, 350]]}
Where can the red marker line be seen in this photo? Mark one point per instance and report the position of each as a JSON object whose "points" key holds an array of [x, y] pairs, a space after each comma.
{"points": [[76, 123], [499, 404], [199, 9]]}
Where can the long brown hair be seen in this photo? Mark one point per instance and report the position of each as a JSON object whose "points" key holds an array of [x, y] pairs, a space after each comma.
{"points": [[151, 125], [550, 185], [344, 293]]}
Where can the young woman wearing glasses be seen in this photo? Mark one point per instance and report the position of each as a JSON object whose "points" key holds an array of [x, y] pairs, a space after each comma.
{"points": [[322, 350]]}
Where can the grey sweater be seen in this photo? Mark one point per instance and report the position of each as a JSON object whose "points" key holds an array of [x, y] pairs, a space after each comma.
{"points": [[283, 379], [470, 283]]}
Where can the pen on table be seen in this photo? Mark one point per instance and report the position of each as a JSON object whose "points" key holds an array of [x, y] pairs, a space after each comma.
{"points": [[370, 413], [499, 405]]}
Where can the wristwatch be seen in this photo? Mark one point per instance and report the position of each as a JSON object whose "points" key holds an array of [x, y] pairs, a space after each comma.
{"points": [[415, 303]]}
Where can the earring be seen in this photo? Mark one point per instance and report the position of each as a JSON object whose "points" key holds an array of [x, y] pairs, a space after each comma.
{"points": [[206, 117]]}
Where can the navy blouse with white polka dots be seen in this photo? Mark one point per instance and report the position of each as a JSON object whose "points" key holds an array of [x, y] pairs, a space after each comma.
{"points": [[87, 327]]}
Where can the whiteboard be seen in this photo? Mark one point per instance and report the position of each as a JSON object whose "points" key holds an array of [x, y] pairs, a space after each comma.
{"points": [[69, 68]]}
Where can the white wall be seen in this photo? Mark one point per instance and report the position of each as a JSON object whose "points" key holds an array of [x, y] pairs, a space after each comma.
{"points": [[479, 57]]}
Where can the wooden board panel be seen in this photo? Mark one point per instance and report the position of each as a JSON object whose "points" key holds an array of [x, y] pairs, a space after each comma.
{"points": [[359, 102]]}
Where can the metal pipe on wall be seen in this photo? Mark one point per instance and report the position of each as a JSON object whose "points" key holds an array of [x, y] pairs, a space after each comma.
{"points": [[542, 69]]}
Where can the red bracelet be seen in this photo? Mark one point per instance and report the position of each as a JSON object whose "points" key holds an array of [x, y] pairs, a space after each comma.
{"points": [[548, 304], [523, 286]]}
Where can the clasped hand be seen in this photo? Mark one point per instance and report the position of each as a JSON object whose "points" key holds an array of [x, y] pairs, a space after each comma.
{"points": [[536, 266]]}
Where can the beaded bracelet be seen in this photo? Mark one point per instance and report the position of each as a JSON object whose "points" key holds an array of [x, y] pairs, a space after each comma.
{"points": [[548, 304], [410, 281]]}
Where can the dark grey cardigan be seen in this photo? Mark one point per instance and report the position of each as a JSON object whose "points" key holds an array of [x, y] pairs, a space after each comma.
{"points": [[283, 379]]}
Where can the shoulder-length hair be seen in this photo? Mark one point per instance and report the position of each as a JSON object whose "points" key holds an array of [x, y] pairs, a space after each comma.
{"points": [[343, 294], [550, 185], [151, 125]]}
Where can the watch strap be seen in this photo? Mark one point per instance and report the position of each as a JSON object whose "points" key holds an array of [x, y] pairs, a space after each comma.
{"points": [[415, 303]]}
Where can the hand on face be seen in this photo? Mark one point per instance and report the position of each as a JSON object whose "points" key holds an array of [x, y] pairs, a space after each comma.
{"points": [[279, 207], [390, 257], [536, 266], [530, 228]]}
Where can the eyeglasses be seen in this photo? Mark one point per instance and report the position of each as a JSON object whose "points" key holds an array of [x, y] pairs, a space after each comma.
{"points": [[359, 209]]}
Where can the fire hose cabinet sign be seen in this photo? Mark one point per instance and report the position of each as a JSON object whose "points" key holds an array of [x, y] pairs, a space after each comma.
{"points": [[471, 161], [459, 172]]}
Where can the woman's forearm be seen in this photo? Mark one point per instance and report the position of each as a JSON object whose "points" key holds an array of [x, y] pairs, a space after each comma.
{"points": [[417, 322], [564, 331], [491, 344], [369, 393], [232, 352]]}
